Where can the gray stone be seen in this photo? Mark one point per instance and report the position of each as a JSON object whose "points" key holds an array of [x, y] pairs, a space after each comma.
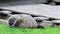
{"points": [[6, 12]]}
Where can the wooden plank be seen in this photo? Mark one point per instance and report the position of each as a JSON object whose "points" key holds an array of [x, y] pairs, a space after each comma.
{"points": [[37, 9]]}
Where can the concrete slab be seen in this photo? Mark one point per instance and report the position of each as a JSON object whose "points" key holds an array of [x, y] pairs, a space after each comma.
{"points": [[37, 9]]}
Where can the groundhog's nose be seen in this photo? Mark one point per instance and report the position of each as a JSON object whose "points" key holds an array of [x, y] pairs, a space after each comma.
{"points": [[10, 24]]}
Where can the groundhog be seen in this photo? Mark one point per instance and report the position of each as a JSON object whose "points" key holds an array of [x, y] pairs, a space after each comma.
{"points": [[56, 23], [23, 21]]}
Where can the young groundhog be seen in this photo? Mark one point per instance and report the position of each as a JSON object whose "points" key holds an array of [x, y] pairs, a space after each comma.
{"points": [[23, 21]]}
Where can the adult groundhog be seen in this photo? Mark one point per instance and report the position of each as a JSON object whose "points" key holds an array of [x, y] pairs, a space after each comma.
{"points": [[23, 21]]}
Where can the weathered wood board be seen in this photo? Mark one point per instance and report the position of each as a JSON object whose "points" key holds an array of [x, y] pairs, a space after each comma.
{"points": [[37, 9]]}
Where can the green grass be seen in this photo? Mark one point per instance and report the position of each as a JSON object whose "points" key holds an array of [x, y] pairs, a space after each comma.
{"points": [[4, 29]]}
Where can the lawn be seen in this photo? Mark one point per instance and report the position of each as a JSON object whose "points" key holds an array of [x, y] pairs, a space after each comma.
{"points": [[4, 29]]}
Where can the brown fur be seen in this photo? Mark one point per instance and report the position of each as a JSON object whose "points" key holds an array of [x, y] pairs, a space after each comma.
{"points": [[18, 22]]}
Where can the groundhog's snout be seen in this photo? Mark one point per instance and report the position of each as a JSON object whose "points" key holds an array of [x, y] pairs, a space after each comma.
{"points": [[10, 24]]}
